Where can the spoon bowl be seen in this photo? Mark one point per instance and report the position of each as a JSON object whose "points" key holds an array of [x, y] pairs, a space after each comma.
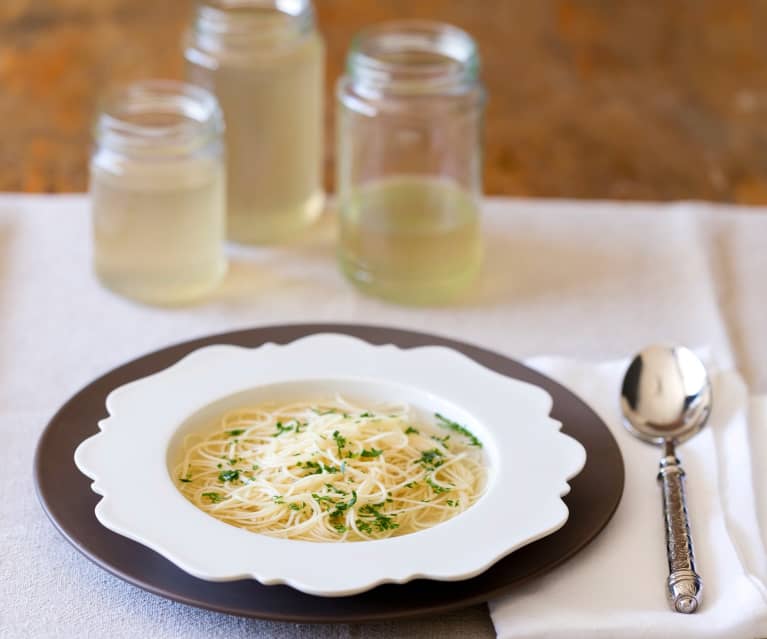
{"points": [[666, 395]]}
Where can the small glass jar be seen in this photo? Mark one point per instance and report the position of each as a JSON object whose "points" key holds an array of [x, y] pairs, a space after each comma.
{"points": [[264, 60], [157, 192], [409, 161]]}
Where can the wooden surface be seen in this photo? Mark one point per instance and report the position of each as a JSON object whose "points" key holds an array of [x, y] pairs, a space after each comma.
{"points": [[640, 99]]}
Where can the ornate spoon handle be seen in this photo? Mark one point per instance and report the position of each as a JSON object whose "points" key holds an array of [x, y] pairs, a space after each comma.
{"points": [[684, 584]]}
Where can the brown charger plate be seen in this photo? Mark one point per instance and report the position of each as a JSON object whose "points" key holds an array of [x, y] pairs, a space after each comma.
{"points": [[67, 499]]}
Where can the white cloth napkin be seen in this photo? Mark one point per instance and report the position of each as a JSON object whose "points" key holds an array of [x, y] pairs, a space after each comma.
{"points": [[616, 586]]}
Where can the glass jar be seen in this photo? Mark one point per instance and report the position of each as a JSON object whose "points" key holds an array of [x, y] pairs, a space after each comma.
{"points": [[264, 60], [157, 192], [409, 161]]}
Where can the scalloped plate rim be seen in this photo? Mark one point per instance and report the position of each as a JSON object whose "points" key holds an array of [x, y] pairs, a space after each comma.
{"points": [[303, 581]]}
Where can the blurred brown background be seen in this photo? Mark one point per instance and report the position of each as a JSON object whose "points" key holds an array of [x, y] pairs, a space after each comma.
{"points": [[640, 99]]}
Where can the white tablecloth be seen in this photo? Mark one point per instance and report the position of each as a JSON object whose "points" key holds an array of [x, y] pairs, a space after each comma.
{"points": [[586, 280]]}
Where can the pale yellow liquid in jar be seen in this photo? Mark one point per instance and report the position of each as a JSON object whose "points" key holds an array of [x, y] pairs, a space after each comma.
{"points": [[410, 239], [158, 235], [272, 107]]}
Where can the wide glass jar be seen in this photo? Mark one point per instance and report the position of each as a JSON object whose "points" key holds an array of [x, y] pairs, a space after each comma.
{"points": [[157, 192], [264, 61], [409, 161]]}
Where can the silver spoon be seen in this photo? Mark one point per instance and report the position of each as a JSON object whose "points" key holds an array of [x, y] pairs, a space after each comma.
{"points": [[666, 399]]}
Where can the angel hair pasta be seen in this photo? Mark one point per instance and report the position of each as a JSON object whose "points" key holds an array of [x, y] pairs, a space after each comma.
{"points": [[332, 471]]}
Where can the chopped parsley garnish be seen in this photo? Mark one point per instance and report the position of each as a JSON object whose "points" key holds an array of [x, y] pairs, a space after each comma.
{"points": [[236, 432], [317, 468], [336, 507], [373, 452], [186, 480], [219, 465], [436, 487], [335, 490], [363, 526], [441, 440], [296, 506], [214, 497], [411, 431], [255, 466], [411, 484], [341, 507], [340, 441], [229, 475], [340, 528], [431, 459], [453, 503], [455, 426], [379, 521], [282, 429], [367, 415], [278, 499]]}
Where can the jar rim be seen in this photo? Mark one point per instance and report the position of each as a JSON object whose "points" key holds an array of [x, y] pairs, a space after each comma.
{"points": [[157, 114], [288, 7], [242, 28], [414, 55]]}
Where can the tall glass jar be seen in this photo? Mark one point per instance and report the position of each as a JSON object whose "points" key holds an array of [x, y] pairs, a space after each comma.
{"points": [[409, 155], [264, 60], [157, 192]]}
